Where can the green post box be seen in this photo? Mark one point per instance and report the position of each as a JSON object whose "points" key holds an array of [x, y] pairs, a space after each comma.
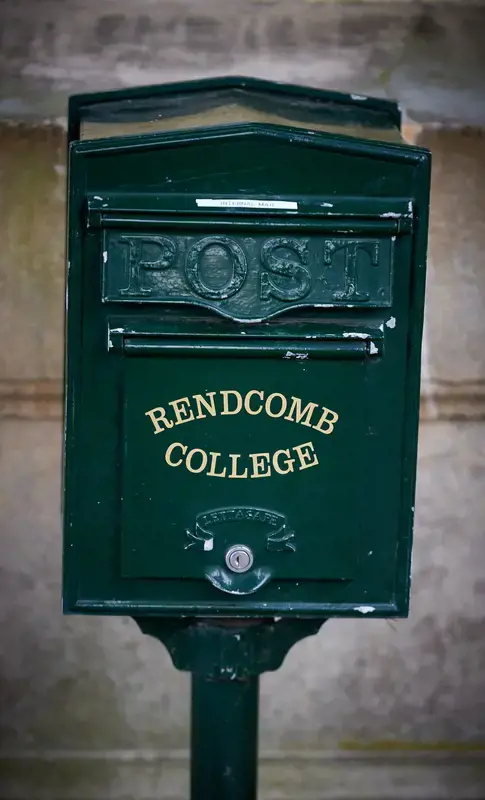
{"points": [[246, 287]]}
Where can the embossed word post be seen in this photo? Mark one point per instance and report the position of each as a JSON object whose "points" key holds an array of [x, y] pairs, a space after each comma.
{"points": [[246, 271]]}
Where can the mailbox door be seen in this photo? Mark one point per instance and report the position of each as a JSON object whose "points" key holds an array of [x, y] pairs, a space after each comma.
{"points": [[242, 444]]}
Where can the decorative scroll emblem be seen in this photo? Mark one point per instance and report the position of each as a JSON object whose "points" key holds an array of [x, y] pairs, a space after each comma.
{"points": [[279, 536], [265, 531]]}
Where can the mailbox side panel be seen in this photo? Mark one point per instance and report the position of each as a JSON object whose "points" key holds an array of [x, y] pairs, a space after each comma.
{"points": [[72, 457], [422, 185], [104, 453]]}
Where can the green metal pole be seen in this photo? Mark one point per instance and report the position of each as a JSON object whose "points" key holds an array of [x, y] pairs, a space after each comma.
{"points": [[226, 658], [224, 737]]}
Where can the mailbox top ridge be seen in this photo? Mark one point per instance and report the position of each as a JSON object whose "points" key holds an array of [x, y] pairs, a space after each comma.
{"points": [[218, 102]]}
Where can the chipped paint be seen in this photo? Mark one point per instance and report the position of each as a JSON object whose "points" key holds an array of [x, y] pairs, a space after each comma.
{"points": [[290, 354], [355, 335], [105, 256], [364, 609], [391, 322], [326, 205], [373, 350], [97, 197], [209, 544], [390, 215], [381, 327], [358, 97]]}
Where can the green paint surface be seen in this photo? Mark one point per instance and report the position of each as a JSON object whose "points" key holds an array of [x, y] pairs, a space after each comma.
{"points": [[298, 323]]}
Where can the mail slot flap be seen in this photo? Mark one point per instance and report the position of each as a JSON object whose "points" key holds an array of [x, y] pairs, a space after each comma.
{"points": [[353, 347], [147, 337], [341, 349], [111, 208]]}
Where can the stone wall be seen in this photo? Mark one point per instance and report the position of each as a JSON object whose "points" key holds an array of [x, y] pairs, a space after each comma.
{"points": [[90, 708]]}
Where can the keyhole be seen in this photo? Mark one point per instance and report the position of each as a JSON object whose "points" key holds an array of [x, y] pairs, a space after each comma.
{"points": [[239, 558]]}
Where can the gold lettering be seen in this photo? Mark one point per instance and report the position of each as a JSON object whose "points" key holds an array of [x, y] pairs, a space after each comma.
{"points": [[247, 402], [267, 405], [182, 414], [288, 462], [239, 401], [233, 402], [259, 465], [188, 461], [281, 461], [209, 406], [305, 453], [325, 418], [157, 415], [212, 469], [234, 473], [307, 412], [169, 452]]}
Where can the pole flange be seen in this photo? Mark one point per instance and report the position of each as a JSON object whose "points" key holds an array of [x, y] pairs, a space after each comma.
{"points": [[231, 649]]}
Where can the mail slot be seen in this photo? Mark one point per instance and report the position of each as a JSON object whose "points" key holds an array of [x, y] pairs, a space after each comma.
{"points": [[246, 270]]}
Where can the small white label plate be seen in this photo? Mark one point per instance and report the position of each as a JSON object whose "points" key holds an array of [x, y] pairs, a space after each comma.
{"points": [[280, 205]]}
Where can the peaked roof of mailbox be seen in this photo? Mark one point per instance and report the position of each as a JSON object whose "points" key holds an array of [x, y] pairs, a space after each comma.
{"points": [[219, 102]]}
